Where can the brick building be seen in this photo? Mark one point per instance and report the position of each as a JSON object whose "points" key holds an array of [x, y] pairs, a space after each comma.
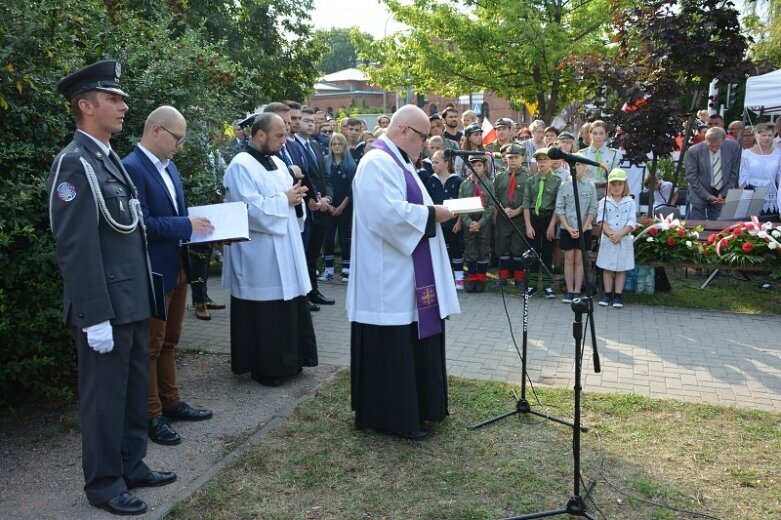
{"points": [[351, 87]]}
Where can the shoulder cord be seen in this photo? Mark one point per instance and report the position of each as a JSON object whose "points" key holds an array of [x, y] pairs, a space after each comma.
{"points": [[100, 203]]}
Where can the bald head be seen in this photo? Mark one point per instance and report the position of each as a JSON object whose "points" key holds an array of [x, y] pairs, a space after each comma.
{"points": [[165, 115], [165, 131], [408, 129]]}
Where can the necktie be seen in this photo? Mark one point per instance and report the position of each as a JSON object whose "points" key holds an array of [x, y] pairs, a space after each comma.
{"points": [[715, 159], [310, 151], [511, 187], [540, 190], [286, 157]]}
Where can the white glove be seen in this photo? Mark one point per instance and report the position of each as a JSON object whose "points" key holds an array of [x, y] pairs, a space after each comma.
{"points": [[100, 337]]}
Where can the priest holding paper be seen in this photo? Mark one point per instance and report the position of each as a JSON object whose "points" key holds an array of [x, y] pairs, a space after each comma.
{"points": [[272, 336], [401, 288]]}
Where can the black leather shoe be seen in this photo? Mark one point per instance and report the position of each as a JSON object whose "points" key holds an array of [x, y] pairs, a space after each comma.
{"points": [[185, 412], [268, 381], [414, 436], [317, 297], [162, 433], [152, 479], [314, 308], [124, 504]]}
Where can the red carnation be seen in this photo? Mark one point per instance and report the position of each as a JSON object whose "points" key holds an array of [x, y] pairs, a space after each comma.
{"points": [[653, 231], [670, 241], [738, 232], [723, 243], [747, 247], [681, 232], [712, 238]]}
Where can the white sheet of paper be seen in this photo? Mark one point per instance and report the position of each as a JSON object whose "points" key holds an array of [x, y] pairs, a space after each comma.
{"points": [[467, 205], [230, 221]]}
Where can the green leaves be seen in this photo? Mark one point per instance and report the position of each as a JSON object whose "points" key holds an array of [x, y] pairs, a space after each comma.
{"points": [[516, 49]]}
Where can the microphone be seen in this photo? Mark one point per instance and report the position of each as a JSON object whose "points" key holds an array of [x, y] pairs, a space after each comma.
{"points": [[449, 154], [556, 153]]}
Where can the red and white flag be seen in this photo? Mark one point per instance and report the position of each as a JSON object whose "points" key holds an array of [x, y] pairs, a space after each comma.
{"points": [[489, 132]]}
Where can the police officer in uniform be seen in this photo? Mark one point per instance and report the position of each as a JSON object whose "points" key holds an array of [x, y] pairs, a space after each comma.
{"points": [[108, 295]]}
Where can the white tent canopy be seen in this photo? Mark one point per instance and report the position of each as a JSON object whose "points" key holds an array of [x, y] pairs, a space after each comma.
{"points": [[763, 93]]}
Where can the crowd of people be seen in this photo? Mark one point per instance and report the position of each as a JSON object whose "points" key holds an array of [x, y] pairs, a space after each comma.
{"points": [[121, 228]]}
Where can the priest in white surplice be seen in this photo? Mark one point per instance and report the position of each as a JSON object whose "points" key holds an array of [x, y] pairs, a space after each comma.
{"points": [[271, 327], [401, 287]]}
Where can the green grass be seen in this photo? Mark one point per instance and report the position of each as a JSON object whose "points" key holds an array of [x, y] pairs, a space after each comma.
{"points": [[728, 292], [718, 460]]}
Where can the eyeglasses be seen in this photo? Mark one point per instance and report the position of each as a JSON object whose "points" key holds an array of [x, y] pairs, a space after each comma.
{"points": [[324, 131], [179, 140], [421, 134]]}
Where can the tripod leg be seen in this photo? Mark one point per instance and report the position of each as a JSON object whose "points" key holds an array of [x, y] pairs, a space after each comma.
{"points": [[492, 420]]}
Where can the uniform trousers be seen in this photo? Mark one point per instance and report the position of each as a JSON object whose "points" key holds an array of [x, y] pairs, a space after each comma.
{"points": [[508, 243], [112, 405], [164, 336]]}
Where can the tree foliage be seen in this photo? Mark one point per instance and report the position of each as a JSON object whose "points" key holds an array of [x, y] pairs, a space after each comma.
{"points": [[167, 58], [515, 49], [768, 42], [668, 50], [341, 53]]}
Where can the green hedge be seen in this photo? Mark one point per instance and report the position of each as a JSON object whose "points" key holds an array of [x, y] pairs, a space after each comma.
{"points": [[166, 60]]}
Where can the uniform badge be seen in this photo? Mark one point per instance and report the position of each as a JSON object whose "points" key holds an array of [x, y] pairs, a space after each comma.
{"points": [[117, 72], [66, 191]]}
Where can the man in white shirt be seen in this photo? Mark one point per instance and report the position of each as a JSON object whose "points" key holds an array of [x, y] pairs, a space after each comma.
{"points": [[401, 287], [165, 216]]}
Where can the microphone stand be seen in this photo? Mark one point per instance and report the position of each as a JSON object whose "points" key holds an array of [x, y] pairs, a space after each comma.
{"points": [[576, 505], [522, 405]]}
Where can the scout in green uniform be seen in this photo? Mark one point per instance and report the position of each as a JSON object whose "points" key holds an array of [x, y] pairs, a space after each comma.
{"points": [[539, 203], [509, 186], [477, 227], [504, 136]]}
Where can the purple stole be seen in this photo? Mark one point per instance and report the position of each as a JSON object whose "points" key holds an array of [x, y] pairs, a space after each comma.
{"points": [[429, 322]]}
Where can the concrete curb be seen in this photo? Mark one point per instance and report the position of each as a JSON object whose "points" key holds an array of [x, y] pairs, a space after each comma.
{"points": [[269, 427]]}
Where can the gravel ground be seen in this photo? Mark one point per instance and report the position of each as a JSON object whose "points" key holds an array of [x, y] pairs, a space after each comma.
{"points": [[40, 456]]}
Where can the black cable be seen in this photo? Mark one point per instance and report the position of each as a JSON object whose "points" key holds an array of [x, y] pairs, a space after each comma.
{"points": [[518, 350], [639, 499], [593, 502]]}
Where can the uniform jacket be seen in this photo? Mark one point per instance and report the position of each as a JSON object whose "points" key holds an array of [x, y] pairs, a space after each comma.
{"points": [[106, 273], [166, 226], [698, 169]]}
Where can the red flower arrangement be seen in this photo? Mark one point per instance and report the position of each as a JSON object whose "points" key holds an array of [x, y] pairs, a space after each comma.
{"points": [[667, 240], [749, 243]]}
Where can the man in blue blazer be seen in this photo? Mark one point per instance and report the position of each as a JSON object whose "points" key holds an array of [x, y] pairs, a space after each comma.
{"points": [[165, 216]]}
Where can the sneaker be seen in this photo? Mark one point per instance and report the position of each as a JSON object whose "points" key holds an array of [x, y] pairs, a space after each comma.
{"points": [[576, 296], [530, 291], [326, 277], [567, 298], [617, 303], [345, 278], [549, 293], [459, 285], [606, 301]]}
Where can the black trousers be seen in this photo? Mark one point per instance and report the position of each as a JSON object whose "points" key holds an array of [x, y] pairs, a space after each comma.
{"points": [[113, 393], [313, 246], [340, 224], [200, 256]]}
